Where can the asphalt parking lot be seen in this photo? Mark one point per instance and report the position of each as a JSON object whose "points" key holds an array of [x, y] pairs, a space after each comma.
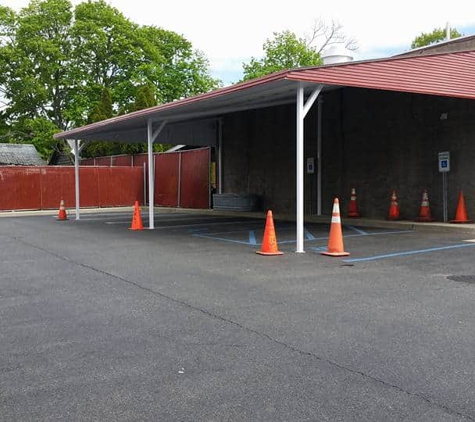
{"points": [[187, 323]]}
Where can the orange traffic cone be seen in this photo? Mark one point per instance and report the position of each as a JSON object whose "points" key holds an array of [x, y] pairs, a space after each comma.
{"points": [[137, 218], [461, 214], [62, 212], [353, 211], [394, 208], [335, 241], [269, 242], [424, 213]]}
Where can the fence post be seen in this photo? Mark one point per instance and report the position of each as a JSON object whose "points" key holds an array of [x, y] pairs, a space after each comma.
{"points": [[144, 184]]}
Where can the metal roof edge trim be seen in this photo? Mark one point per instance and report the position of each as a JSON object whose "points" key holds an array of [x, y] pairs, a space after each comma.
{"points": [[296, 74], [196, 98]]}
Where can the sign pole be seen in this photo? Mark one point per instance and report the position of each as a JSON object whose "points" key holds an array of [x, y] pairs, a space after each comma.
{"points": [[444, 195], [444, 168]]}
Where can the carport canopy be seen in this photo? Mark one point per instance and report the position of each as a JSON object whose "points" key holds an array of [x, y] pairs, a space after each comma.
{"points": [[188, 120]]}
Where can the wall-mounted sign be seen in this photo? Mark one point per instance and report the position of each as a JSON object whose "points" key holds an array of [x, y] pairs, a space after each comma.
{"points": [[444, 162], [310, 165]]}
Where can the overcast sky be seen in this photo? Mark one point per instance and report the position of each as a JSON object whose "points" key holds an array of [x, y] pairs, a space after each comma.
{"points": [[230, 33]]}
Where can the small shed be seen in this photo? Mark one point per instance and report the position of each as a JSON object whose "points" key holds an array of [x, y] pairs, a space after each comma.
{"points": [[20, 155]]}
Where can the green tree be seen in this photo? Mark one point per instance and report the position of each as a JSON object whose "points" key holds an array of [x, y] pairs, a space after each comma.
{"points": [[101, 111], [288, 51], [144, 98], [284, 51], [34, 64], [183, 71], [107, 54], [36, 69], [55, 62], [437, 35]]}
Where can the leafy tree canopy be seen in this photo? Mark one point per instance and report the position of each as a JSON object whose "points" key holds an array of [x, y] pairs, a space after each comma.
{"points": [[284, 51], [57, 64], [437, 35], [287, 51]]}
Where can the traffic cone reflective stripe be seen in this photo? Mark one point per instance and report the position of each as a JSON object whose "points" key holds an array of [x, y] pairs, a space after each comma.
{"points": [[62, 216], [353, 211], [394, 208], [424, 213], [137, 218], [269, 241], [335, 241], [461, 216]]}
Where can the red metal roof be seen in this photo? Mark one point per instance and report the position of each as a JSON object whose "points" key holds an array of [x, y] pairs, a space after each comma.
{"points": [[448, 74]]}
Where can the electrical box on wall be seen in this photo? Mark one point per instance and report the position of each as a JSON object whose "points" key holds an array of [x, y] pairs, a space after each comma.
{"points": [[310, 165]]}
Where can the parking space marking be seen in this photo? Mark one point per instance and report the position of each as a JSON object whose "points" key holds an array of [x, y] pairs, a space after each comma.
{"points": [[158, 221], [205, 236], [405, 253], [309, 235], [357, 235], [245, 230], [357, 230]]}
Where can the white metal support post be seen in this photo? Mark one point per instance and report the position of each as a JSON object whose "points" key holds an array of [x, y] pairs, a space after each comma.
{"points": [[151, 137], [319, 156], [220, 156], [179, 180], [302, 110], [300, 170], [76, 175]]}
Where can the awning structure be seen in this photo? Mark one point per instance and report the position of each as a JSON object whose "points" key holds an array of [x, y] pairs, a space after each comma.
{"points": [[186, 121]]}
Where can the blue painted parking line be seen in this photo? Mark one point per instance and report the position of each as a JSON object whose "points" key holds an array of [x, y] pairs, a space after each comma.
{"points": [[206, 236], [405, 253], [199, 230], [309, 235], [356, 235], [357, 230], [319, 248]]}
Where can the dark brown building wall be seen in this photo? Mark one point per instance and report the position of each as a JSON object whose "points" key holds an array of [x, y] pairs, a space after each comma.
{"points": [[374, 141]]}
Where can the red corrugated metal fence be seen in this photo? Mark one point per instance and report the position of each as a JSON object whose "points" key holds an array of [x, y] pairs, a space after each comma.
{"points": [[182, 178], [44, 187]]}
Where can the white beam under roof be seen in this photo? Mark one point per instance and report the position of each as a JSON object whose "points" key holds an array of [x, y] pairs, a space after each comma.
{"points": [[188, 112]]}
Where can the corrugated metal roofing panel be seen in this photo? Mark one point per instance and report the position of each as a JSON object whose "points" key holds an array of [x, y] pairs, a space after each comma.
{"points": [[443, 75]]}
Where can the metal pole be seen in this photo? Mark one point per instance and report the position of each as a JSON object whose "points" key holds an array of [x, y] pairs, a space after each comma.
{"points": [[220, 156], [179, 179], [76, 176], [151, 181], [300, 171], [144, 184], [319, 158], [444, 195]]}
